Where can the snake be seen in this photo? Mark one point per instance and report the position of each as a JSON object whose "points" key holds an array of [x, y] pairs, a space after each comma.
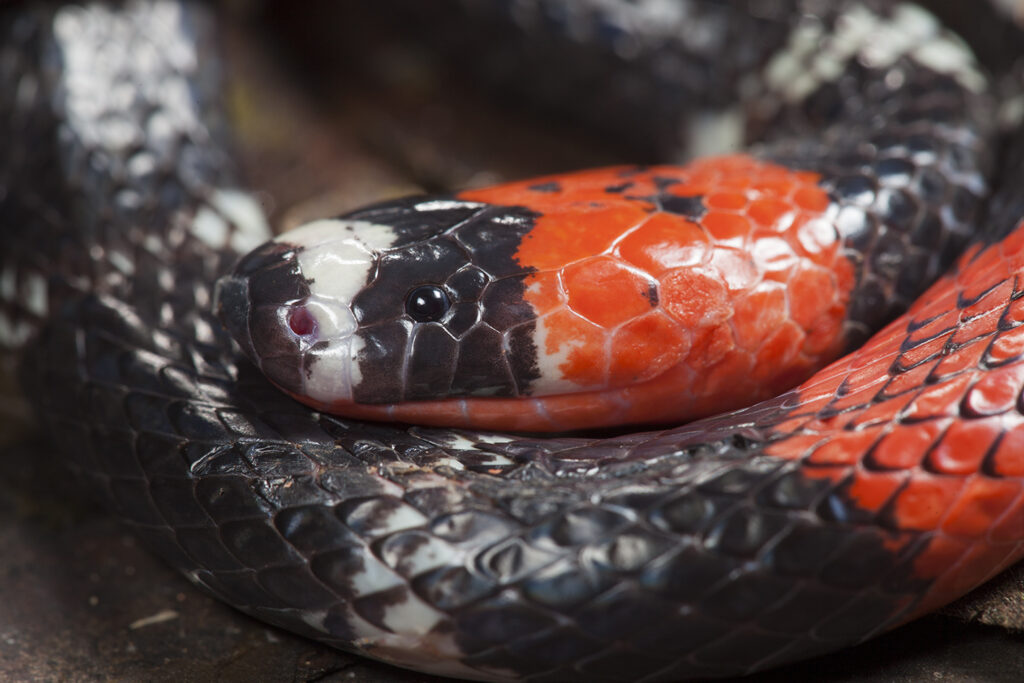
{"points": [[877, 489]]}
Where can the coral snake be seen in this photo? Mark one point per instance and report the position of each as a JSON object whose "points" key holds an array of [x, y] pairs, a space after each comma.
{"points": [[878, 488]]}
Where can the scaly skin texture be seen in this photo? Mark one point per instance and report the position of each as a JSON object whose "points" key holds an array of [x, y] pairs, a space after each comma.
{"points": [[656, 310], [923, 425], [887, 201], [717, 548], [657, 295]]}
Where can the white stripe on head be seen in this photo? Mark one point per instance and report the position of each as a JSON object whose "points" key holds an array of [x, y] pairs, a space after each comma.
{"points": [[337, 257]]}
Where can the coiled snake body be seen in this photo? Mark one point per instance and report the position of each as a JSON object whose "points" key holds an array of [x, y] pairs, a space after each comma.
{"points": [[882, 487]]}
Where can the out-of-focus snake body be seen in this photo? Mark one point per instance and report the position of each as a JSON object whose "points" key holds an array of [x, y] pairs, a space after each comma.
{"points": [[882, 487]]}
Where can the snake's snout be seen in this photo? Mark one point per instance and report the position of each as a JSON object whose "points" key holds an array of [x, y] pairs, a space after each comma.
{"points": [[264, 306], [288, 304]]}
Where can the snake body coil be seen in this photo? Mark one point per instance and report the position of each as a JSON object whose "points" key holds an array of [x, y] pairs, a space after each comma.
{"points": [[882, 487]]}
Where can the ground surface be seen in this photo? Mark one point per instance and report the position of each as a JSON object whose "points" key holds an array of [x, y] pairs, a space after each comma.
{"points": [[81, 600]]}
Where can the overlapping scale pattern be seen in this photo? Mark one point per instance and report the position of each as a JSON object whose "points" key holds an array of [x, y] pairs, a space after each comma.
{"points": [[886, 485], [674, 292]]}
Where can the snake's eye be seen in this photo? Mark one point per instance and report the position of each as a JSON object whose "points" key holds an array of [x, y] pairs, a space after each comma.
{"points": [[427, 303]]}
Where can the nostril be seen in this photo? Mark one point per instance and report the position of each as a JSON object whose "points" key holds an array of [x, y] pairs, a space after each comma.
{"points": [[301, 321]]}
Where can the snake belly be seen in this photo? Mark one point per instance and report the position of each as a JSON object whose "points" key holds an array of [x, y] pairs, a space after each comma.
{"points": [[882, 487]]}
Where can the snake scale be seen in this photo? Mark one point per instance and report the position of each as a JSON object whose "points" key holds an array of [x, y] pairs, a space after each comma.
{"points": [[883, 487]]}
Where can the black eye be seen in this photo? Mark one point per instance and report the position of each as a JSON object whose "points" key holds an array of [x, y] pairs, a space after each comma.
{"points": [[427, 303]]}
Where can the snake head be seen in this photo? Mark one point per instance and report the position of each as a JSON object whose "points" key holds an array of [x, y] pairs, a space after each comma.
{"points": [[592, 299], [403, 301]]}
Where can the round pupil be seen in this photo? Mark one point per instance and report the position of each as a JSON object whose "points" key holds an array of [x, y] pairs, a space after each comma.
{"points": [[427, 303]]}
